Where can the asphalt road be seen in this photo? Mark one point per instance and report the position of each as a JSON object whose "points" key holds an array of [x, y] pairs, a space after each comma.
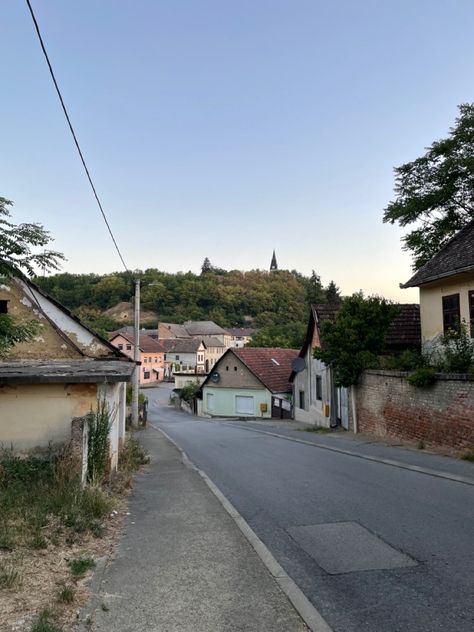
{"points": [[374, 547]]}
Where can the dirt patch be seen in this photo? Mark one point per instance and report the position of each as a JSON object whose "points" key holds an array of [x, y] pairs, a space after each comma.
{"points": [[42, 574]]}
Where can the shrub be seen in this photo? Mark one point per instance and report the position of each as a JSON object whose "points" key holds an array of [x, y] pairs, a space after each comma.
{"points": [[458, 350], [422, 377], [188, 392], [406, 361], [98, 447]]}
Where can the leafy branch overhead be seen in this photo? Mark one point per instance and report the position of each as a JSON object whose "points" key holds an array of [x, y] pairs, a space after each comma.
{"points": [[18, 244], [435, 193], [353, 342]]}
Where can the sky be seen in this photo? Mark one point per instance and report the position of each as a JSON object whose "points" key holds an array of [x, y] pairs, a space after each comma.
{"points": [[229, 128]]}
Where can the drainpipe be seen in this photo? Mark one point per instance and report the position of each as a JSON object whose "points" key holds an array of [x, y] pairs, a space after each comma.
{"points": [[354, 408]]}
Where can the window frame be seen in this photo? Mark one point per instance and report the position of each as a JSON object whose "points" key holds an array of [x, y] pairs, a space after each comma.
{"points": [[450, 323]]}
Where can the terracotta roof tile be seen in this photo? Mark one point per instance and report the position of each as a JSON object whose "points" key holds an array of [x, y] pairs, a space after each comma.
{"points": [[271, 365]]}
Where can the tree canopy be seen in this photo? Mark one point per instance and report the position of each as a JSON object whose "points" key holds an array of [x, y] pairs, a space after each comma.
{"points": [[435, 193], [276, 304], [19, 244], [353, 342]]}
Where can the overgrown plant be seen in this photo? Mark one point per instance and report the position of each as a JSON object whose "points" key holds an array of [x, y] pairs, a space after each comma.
{"points": [[189, 392], [458, 350], [98, 443], [354, 341]]}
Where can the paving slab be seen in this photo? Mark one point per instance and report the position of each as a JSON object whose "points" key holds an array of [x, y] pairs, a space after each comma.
{"points": [[183, 564]]}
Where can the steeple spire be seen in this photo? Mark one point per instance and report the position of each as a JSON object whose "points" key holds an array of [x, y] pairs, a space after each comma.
{"points": [[274, 264]]}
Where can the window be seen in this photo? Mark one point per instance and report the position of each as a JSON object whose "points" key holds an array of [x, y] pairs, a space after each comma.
{"points": [[129, 347], [3, 307], [319, 387], [235, 368], [146, 375], [244, 405], [210, 401], [471, 311], [145, 360], [227, 368], [451, 314], [301, 400], [176, 357], [120, 347]]}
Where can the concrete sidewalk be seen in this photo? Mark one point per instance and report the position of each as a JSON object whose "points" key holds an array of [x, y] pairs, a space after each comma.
{"points": [[183, 564]]}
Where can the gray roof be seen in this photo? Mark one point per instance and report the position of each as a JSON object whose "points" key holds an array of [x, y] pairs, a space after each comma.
{"points": [[65, 371], [203, 328], [211, 341], [177, 330], [455, 257], [180, 345]]}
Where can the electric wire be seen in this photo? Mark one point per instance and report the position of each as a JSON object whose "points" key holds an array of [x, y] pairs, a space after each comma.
{"points": [[76, 142]]}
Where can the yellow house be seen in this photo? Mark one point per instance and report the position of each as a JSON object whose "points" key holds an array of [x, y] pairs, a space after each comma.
{"points": [[56, 377], [446, 285]]}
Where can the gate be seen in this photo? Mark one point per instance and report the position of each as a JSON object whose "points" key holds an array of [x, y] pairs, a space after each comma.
{"points": [[281, 408]]}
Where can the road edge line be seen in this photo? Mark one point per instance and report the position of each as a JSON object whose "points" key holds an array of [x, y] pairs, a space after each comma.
{"points": [[310, 615]]}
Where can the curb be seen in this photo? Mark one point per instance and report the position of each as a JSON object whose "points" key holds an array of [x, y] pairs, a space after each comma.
{"points": [[400, 464], [300, 602]]}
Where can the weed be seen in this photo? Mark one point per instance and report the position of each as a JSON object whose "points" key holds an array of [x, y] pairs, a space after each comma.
{"points": [[318, 429], [98, 446], [8, 577], [425, 376], [420, 445], [44, 623], [132, 456], [66, 594], [468, 456], [79, 567], [104, 607]]}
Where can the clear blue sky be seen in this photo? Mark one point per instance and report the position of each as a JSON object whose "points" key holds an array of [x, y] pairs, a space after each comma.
{"points": [[227, 128]]}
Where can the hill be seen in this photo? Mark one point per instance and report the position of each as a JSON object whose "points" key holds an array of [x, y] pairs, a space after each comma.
{"points": [[276, 303]]}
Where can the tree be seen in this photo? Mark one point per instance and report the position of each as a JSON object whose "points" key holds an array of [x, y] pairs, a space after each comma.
{"points": [[353, 342], [206, 266], [12, 332], [333, 294], [436, 192], [314, 289], [17, 242]]}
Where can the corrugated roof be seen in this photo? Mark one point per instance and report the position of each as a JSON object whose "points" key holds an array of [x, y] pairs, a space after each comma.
{"points": [[455, 257], [272, 365]]}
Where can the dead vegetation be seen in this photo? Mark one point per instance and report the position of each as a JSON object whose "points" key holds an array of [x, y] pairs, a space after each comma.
{"points": [[52, 532]]}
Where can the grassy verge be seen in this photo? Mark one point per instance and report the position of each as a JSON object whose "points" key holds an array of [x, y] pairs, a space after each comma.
{"points": [[51, 531], [317, 429]]}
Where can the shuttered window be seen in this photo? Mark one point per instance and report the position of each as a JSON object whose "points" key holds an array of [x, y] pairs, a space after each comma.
{"points": [[244, 405]]}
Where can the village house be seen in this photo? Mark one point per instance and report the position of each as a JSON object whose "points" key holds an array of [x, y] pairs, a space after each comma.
{"points": [[214, 350], [240, 336], [58, 376], [183, 355], [317, 400], [248, 382], [446, 285], [152, 355], [194, 329]]}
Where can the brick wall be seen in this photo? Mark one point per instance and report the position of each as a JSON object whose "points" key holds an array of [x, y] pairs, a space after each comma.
{"points": [[440, 415]]}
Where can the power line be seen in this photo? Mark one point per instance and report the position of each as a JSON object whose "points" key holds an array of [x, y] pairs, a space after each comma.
{"points": [[73, 133]]}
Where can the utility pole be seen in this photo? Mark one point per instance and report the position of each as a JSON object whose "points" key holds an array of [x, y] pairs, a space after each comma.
{"points": [[136, 357]]}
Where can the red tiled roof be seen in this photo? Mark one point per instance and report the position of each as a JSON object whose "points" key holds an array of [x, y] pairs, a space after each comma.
{"points": [[271, 365], [147, 344]]}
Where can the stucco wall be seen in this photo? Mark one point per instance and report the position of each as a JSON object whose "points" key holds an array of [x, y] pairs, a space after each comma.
{"points": [[35, 415], [225, 398], [313, 412], [440, 415], [234, 374], [431, 303]]}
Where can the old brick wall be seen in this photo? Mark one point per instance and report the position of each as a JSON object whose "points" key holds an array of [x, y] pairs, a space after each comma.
{"points": [[441, 415]]}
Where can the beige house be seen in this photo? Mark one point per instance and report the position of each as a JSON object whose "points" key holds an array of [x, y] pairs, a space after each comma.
{"points": [[58, 375], [214, 349], [446, 285], [240, 336]]}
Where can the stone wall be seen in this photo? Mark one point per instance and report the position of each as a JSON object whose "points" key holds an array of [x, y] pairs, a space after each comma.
{"points": [[440, 415]]}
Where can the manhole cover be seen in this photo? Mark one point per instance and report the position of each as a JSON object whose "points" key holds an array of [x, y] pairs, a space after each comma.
{"points": [[345, 547]]}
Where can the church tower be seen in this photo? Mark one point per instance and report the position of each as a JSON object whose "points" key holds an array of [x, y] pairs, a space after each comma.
{"points": [[274, 264]]}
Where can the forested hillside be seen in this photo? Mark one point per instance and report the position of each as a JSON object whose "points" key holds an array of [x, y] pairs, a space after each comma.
{"points": [[275, 303]]}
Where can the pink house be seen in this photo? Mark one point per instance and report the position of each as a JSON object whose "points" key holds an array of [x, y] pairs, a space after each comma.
{"points": [[152, 355]]}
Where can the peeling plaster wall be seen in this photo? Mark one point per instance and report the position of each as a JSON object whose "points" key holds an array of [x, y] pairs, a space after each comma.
{"points": [[26, 304], [36, 415]]}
